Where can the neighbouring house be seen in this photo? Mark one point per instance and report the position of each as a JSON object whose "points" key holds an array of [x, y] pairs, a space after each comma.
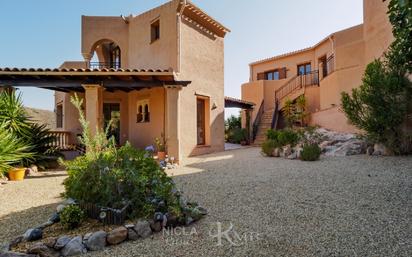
{"points": [[157, 73], [320, 73]]}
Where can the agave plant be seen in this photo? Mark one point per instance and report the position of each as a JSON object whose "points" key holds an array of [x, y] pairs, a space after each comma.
{"points": [[13, 115], [12, 150]]}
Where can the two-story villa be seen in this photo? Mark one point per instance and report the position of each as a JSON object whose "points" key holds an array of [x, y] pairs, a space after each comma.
{"points": [[320, 73], [157, 73]]}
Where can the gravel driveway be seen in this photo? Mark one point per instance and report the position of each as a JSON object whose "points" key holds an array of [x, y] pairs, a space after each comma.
{"points": [[346, 206]]}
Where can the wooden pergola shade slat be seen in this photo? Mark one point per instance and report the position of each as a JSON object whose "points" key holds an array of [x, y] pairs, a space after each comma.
{"points": [[73, 80]]}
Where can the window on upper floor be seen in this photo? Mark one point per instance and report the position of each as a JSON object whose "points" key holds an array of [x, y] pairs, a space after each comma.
{"points": [[59, 116], [276, 74], [155, 30], [304, 69]]}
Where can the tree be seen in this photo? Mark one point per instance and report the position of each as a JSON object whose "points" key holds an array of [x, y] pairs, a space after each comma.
{"points": [[379, 106], [400, 52]]}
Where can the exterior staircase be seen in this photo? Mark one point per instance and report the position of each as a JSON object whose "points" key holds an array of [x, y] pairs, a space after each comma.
{"points": [[264, 125], [292, 89]]}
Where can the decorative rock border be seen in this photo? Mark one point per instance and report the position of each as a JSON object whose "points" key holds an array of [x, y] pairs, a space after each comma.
{"points": [[93, 241]]}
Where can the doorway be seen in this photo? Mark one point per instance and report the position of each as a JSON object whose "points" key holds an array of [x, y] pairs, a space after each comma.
{"points": [[201, 121], [111, 112]]}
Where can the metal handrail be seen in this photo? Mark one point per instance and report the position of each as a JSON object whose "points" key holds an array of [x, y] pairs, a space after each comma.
{"points": [[297, 82], [275, 115], [256, 122]]}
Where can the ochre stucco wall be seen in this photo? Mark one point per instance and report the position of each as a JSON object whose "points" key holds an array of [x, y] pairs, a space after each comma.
{"points": [[202, 62]]}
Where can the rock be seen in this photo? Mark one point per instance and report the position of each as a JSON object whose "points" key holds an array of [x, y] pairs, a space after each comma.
{"points": [[276, 152], [16, 241], [74, 247], [132, 235], [129, 226], [42, 250], [33, 234], [96, 241], [4, 247], [86, 237], [117, 236], [380, 149], [156, 226], [287, 150], [202, 210], [143, 228], [293, 156], [298, 151], [45, 225], [172, 221], [50, 242], [369, 150], [55, 217], [189, 220], [62, 242], [14, 254], [60, 208], [69, 201], [158, 216], [351, 147]]}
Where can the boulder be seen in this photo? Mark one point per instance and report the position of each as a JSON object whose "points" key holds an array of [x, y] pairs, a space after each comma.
{"points": [[132, 234], [287, 150], [293, 156], [69, 201], [351, 147], [50, 242], [61, 242], [380, 149], [369, 150], [33, 234], [4, 247], [143, 229], [96, 241], [16, 241], [45, 225], [14, 254], [156, 226], [55, 217], [60, 208], [117, 236], [276, 152], [42, 250], [74, 247]]}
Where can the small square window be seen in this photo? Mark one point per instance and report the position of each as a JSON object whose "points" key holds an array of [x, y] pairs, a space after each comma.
{"points": [[155, 31]]}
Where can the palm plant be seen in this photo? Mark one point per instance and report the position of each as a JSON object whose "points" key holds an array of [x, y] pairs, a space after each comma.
{"points": [[300, 107], [289, 112], [13, 115], [12, 150]]}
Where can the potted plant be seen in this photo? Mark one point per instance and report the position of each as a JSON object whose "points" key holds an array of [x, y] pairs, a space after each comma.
{"points": [[161, 147], [17, 173]]}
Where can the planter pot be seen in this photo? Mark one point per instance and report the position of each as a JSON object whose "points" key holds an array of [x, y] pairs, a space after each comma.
{"points": [[17, 174], [161, 155], [108, 216]]}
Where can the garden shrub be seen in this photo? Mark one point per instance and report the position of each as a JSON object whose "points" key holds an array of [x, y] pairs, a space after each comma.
{"points": [[113, 177], [310, 152], [268, 146], [233, 130], [283, 137], [71, 216]]}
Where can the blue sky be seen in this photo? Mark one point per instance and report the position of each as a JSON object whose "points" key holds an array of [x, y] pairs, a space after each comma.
{"points": [[45, 33]]}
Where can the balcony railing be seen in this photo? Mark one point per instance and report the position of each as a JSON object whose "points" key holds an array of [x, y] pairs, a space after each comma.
{"points": [[62, 140], [104, 65]]}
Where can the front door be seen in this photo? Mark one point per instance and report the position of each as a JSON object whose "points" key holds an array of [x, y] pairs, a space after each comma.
{"points": [[201, 120], [111, 113]]}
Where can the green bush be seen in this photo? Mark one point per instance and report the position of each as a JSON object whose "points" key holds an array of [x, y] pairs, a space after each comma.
{"points": [[71, 216], [310, 152], [283, 137], [110, 177], [380, 105], [233, 130], [268, 146]]}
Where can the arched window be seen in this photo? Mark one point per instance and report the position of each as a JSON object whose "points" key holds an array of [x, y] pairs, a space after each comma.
{"points": [[143, 111]]}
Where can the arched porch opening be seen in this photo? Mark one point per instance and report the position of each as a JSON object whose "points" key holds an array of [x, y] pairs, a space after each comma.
{"points": [[106, 54]]}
